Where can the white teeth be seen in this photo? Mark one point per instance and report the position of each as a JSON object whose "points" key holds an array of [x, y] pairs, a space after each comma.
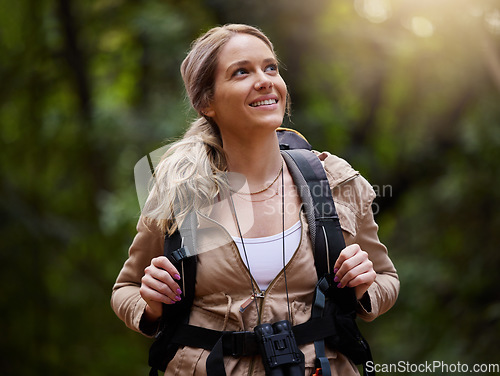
{"points": [[266, 102]]}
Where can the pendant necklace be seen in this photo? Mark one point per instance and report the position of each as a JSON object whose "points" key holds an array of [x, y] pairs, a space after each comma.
{"points": [[263, 189]]}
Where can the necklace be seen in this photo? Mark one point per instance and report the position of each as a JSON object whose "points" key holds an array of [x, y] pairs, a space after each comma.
{"points": [[241, 195], [264, 189]]}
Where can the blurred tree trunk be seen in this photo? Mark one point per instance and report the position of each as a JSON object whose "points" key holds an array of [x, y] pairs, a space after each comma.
{"points": [[76, 58]]}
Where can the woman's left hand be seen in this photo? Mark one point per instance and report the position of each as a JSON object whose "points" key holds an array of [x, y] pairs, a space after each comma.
{"points": [[353, 268]]}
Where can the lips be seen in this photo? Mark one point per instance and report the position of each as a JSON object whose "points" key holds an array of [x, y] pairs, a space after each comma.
{"points": [[264, 102]]}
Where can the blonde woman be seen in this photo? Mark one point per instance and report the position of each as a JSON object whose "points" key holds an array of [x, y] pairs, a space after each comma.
{"points": [[232, 78]]}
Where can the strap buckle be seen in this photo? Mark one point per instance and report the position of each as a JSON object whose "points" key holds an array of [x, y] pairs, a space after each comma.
{"points": [[325, 283], [179, 254], [325, 218], [239, 343]]}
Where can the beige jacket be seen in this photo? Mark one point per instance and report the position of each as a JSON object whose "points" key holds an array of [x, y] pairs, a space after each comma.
{"points": [[222, 282]]}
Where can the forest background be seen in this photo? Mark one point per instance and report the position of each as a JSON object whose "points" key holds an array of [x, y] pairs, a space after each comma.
{"points": [[407, 91]]}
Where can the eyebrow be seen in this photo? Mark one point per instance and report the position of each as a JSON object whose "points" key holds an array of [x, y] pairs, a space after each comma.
{"points": [[246, 62]]}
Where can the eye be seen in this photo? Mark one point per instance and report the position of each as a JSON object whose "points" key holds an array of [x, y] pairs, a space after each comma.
{"points": [[272, 68], [240, 72]]}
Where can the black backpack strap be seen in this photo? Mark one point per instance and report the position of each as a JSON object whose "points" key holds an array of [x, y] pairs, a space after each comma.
{"points": [[328, 241], [177, 249], [328, 238], [317, 312], [180, 250], [245, 343], [317, 198]]}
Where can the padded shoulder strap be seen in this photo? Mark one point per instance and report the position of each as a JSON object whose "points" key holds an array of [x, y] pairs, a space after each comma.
{"points": [[324, 224], [175, 250], [327, 234], [291, 139], [174, 315]]}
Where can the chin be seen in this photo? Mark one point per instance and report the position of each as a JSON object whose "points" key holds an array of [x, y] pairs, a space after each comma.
{"points": [[270, 124], [272, 121]]}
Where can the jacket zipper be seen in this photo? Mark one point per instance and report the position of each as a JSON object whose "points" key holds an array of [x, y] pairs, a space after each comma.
{"points": [[262, 295], [252, 297], [249, 301]]}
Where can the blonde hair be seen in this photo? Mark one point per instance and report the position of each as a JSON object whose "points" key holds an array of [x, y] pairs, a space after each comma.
{"points": [[191, 173]]}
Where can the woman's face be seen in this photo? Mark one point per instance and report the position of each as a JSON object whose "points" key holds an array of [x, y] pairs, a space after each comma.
{"points": [[249, 91]]}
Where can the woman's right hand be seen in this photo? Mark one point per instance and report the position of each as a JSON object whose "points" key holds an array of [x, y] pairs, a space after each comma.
{"points": [[158, 285]]}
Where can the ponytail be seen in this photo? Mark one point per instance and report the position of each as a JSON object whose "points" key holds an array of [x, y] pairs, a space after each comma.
{"points": [[188, 178]]}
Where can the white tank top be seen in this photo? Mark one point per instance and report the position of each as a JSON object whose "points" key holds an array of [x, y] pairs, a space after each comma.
{"points": [[265, 255]]}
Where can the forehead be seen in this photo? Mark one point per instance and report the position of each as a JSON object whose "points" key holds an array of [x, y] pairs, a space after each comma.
{"points": [[244, 47]]}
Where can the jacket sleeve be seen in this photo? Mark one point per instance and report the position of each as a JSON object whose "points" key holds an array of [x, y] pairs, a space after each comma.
{"points": [[353, 196], [126, 300], [382, 294]]}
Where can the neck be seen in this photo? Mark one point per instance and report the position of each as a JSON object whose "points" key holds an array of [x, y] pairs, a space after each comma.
{"points": [[258, 160]]}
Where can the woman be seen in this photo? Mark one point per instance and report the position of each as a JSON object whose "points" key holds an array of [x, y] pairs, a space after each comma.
{"points": [[232, 79]]}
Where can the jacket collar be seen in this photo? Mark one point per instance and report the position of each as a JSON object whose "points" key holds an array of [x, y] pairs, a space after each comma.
{"points": [[337, 169], [214, 235]]}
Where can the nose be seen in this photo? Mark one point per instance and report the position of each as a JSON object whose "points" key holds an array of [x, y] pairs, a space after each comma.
{"points": [[263, 82]]}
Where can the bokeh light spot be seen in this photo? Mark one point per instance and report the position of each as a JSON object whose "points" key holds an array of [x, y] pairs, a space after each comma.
{"points": [[492, 20], [376, 11], [422, 27]]}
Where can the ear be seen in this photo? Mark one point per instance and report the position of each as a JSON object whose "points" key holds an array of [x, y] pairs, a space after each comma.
{"points": [[208, 111]]}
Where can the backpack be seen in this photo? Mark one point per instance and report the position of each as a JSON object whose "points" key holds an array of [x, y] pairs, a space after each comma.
{"points": [[333, 315]]}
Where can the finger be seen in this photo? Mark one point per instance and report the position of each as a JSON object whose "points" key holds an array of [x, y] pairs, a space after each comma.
{"points": [[161, 275], [164, 263], [351, 277], [346, 253], [350, 263], [158, 272], [153, 296], [171, 291], [366, 278]]}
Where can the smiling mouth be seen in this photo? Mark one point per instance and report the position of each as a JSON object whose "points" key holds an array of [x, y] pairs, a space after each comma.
{"points": [[267, 102]]}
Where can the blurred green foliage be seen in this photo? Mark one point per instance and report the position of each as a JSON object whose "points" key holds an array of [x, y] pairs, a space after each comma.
{"points": [[408, 92]]}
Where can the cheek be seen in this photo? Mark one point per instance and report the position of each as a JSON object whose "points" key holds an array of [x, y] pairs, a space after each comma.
{"points": [[231, 93], [283, 92], [281, 86]]}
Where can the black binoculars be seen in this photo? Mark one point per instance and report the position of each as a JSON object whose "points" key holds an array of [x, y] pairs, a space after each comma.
{"points": [[280, 354]]}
